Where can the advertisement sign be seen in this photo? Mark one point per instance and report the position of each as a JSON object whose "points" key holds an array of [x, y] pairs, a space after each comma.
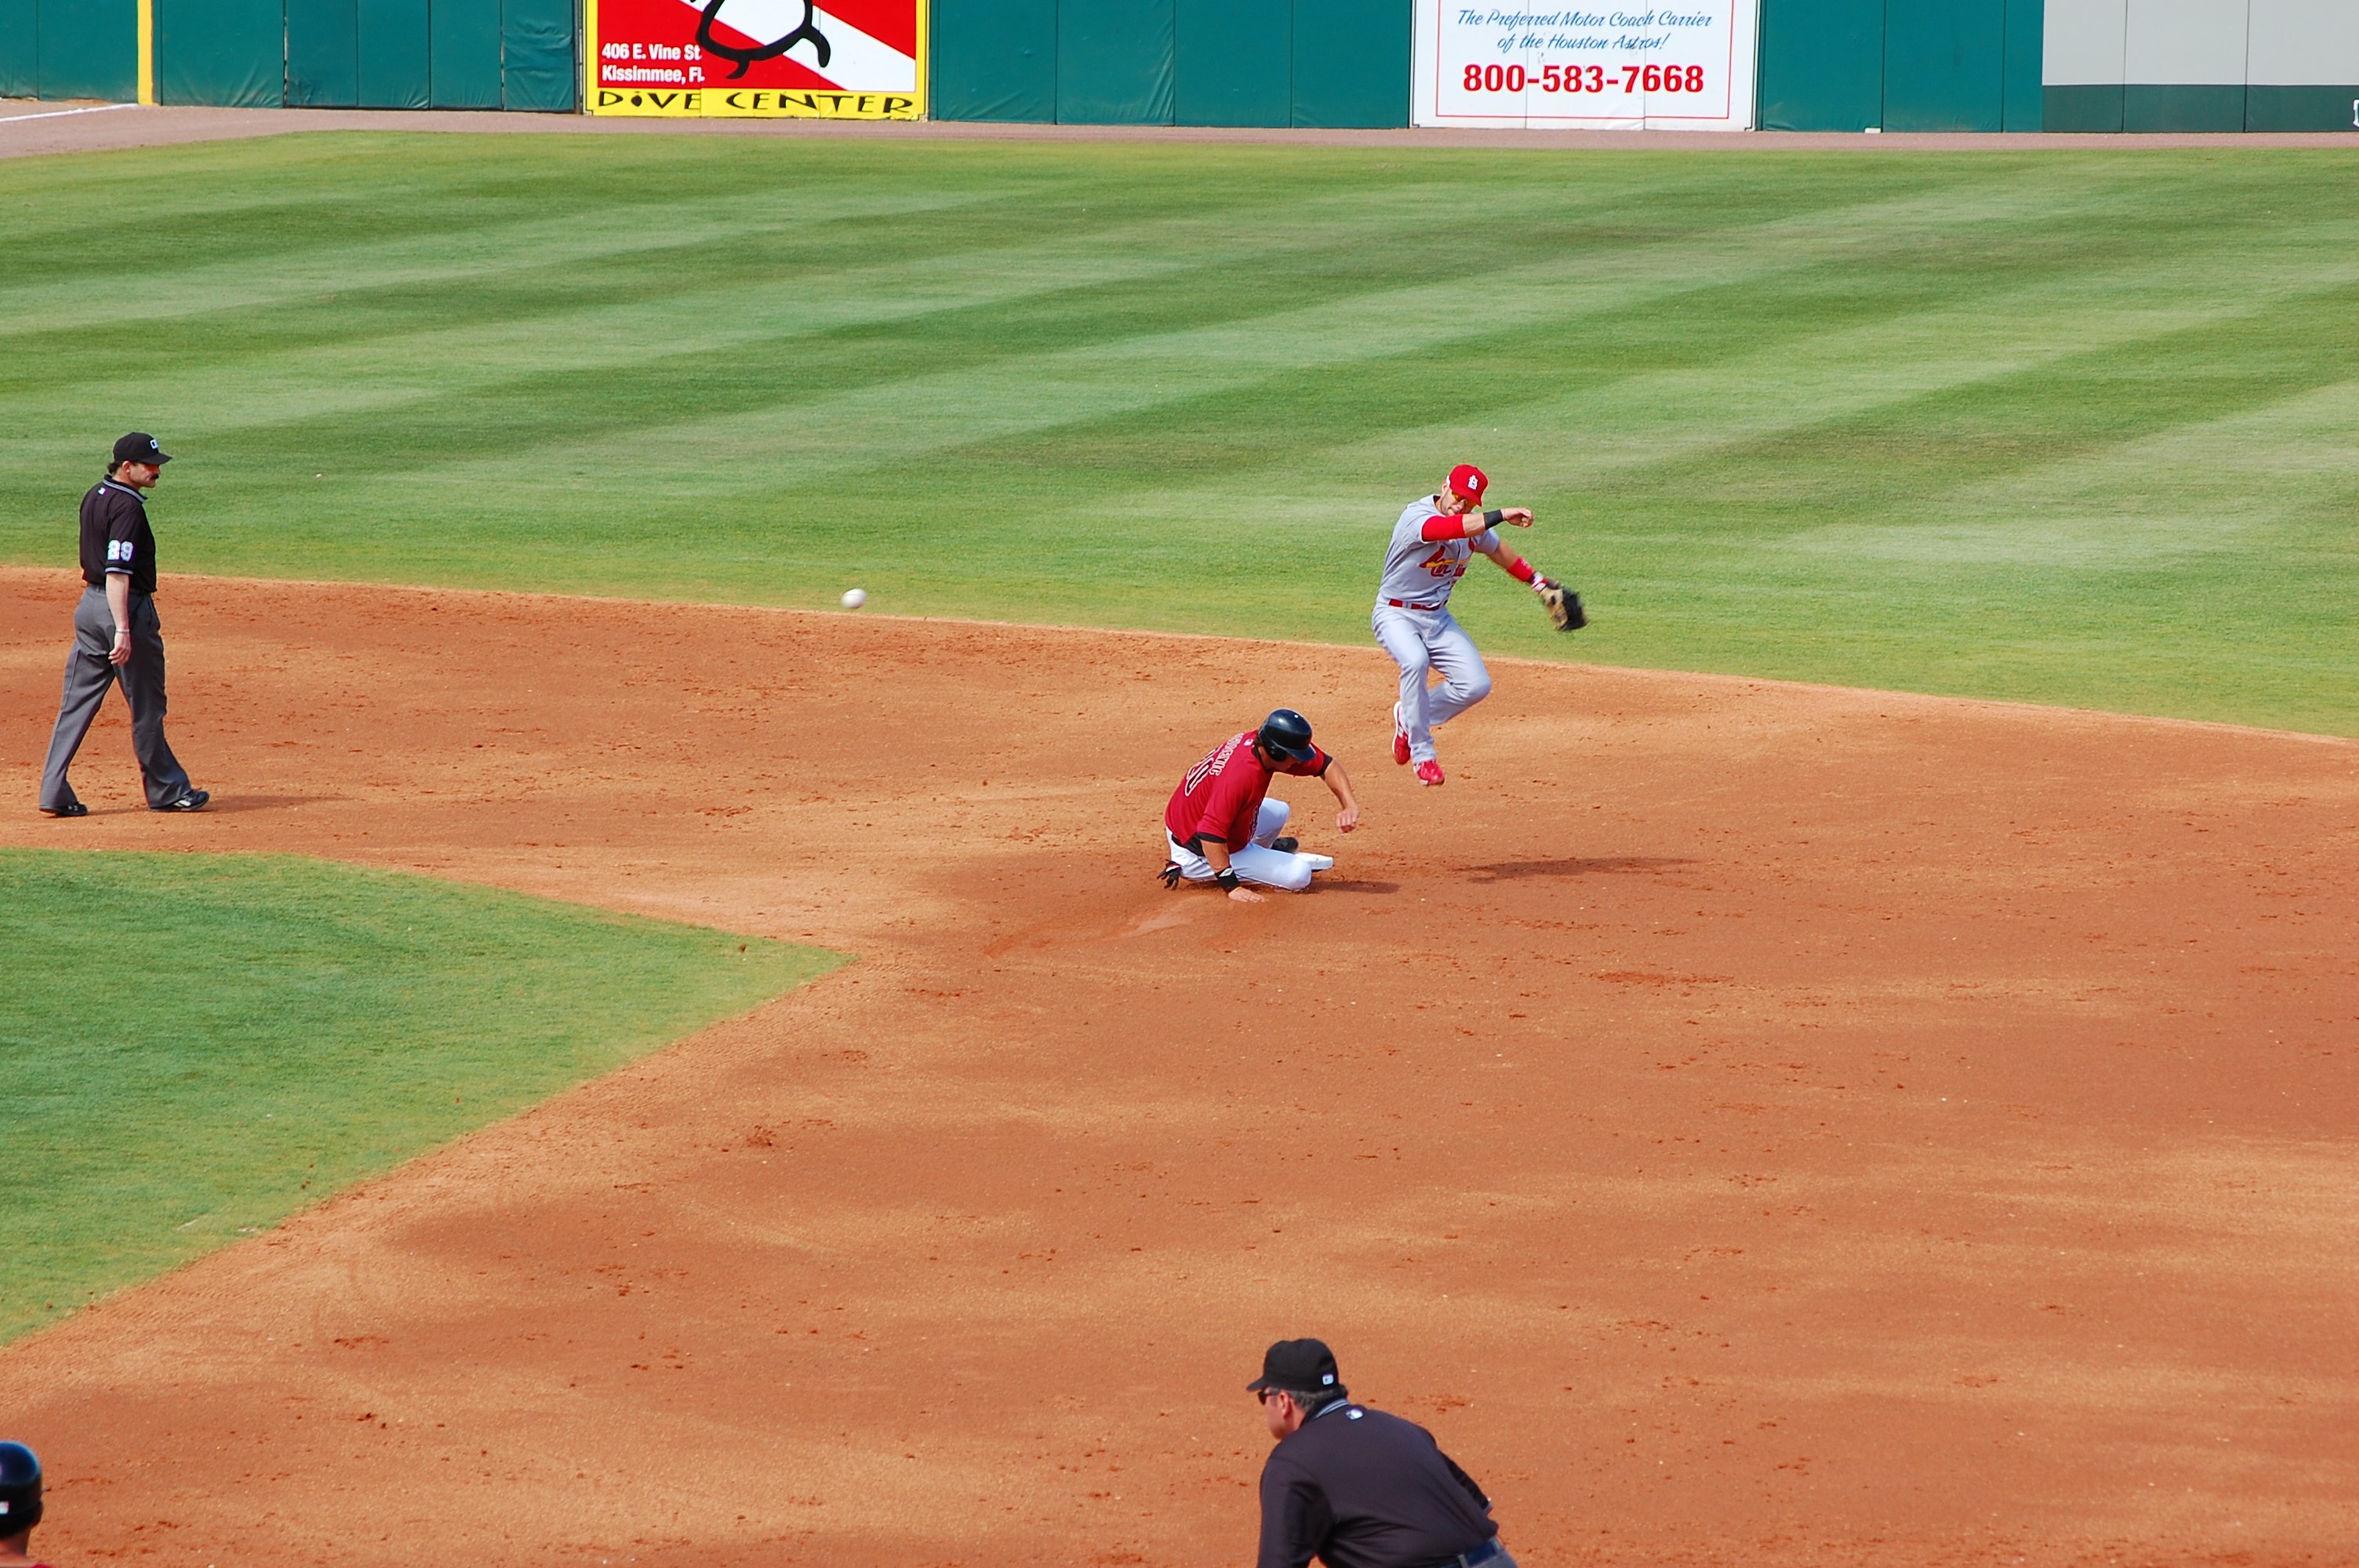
{"points": [[850, 60], [1687, 65]]}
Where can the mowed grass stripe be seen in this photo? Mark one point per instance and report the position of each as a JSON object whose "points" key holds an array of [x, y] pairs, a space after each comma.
{"points": [[1776, 409], [781, 288], [214, 1041], [815, 425]]}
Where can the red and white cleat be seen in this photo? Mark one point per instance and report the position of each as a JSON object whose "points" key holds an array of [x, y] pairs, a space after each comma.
{"points": [[1400, 739], [1428, 774]]}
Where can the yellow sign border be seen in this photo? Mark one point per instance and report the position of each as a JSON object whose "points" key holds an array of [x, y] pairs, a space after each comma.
{"points": [[712, 101]]}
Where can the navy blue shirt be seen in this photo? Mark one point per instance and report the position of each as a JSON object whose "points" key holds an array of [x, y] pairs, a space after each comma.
{"points": [[115, 540], [1363, 1489]]}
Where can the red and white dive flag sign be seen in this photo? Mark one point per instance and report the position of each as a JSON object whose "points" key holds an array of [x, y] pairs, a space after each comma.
{"points": [[829, 60]]}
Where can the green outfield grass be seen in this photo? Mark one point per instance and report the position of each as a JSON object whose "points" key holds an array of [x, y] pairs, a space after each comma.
{"points": [[2075, 427], [192, 1046]]}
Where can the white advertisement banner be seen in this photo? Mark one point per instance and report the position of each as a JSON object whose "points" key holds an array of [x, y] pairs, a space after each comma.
{"points": [[1685, 66]]}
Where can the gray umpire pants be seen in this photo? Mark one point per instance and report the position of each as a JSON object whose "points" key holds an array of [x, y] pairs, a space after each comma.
{"points": [[88, 674]]}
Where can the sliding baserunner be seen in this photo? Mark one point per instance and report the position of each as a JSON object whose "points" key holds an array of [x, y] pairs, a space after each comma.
{"points": [[1221, 826]]}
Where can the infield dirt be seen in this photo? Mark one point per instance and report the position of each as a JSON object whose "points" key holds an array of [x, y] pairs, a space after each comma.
{"points": [[1746, 1122]]}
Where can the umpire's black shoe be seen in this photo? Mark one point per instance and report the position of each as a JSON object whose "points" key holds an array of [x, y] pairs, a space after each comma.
{"points": [[1286, 845], [71, 808], [192, 801]]}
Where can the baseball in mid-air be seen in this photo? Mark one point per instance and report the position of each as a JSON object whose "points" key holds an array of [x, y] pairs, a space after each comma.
{"points": [[853, 598]]}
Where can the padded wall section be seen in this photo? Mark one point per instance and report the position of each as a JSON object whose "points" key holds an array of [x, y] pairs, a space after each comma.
{"points": [[20, 54], [993, 60], [1114, 62], [392, 63], [2084, 43], [2183, 65], [1351, 62], [2020, 104], [231, 52], [1233, 62], [1944, 65], [1821, 65], [539, 70], [323, 54], [87, 49], [2302, 66], [462, 54]]}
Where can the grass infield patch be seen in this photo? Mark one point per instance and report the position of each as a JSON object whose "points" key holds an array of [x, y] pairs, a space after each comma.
{"points": [[192, 1046], [2065, 426]]}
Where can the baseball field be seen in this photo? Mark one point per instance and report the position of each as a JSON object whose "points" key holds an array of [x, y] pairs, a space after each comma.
{"points": [[1857, 1065]]}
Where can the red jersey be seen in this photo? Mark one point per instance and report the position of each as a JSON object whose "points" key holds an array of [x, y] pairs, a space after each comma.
{"points": [[1223, 795]]}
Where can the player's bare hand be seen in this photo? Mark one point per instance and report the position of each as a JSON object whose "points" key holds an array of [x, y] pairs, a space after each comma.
{"points": [[1521, 516], [1247, 895], [1347, 819], [121, 652]]}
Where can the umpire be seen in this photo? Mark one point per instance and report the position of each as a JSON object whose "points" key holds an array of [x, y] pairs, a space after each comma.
{"points": [[117, 636], [1356, 1488]]}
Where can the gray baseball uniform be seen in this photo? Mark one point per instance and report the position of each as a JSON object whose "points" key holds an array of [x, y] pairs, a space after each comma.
{"points": [[1413, 623]]}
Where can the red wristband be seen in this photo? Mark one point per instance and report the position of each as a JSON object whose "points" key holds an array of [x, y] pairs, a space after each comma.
{"points": [[1521, 570]]}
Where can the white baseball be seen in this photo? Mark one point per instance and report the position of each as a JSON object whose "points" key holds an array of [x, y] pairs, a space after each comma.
{"points": [[853, 598]]}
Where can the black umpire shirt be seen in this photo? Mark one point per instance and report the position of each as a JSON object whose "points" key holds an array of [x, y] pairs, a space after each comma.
{"points": [[114, 537], [1363, 1489]]}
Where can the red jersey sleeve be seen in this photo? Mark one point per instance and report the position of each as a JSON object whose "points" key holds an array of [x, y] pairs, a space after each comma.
{"points": [[1440, 530]]}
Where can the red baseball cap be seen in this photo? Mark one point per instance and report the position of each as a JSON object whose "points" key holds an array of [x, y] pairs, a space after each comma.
{"points": [[1468, 481]]}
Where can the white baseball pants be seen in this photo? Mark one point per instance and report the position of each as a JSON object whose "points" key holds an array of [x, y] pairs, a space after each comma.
{"points": [[1257, 863], [1423, 639]]}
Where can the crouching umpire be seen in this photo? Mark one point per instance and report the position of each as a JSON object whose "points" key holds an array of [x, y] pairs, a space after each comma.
{"points": [[1356, 1488], [117, 636]]}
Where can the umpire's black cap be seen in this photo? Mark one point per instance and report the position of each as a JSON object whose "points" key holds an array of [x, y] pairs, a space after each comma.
{"points": [[139, 447], [1298, 1367], [20, 1489]]}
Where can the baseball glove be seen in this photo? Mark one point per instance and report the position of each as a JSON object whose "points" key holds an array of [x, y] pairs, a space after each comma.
{"points": [[1564, 605]]}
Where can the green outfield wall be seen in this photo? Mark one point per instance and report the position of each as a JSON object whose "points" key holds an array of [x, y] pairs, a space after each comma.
{"points": [[1338, 63], [1819, 65], [311, 54]]}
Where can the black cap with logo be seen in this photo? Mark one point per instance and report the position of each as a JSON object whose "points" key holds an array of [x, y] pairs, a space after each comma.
{"points": [[139, 447], [1298, 1367]]}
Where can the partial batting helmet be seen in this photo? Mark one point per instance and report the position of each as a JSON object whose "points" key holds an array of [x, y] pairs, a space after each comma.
{"points": [[20, 1489], [1287, 734]]}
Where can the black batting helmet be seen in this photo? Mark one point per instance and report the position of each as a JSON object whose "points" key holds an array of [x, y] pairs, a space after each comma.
{"points": [[1287, 734], [20, 1489]]}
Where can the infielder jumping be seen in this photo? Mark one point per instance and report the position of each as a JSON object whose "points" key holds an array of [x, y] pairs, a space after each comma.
{"points": [[1221, 825], [1432, 543]]}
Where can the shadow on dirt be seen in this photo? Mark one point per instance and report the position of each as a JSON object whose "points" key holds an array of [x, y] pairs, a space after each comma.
{"points": [[230, 806], [1349, 884], [1576, 866]]}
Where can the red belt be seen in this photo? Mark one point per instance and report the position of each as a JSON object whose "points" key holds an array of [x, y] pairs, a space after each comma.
{"points": [[1398, 604]]}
